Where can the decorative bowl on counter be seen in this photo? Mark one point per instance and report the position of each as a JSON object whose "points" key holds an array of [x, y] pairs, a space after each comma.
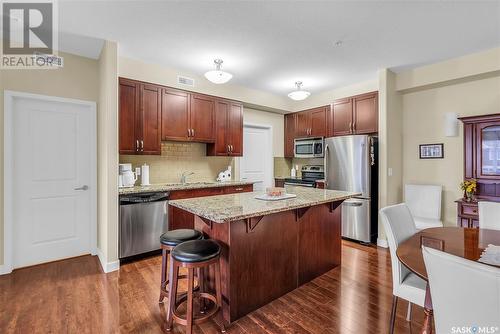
{"points": [[275, 191]]}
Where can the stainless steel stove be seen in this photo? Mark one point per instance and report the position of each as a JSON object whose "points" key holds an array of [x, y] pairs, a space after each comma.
{"points": [[310, 173]]}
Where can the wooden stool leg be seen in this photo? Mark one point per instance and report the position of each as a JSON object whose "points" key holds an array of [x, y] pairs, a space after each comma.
{"points": [[201, 288], [218, 292], [163, 285], [172, 292], [393, 313], [189, 312]]}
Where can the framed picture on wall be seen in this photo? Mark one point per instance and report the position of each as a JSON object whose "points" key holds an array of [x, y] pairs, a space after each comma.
{"points": [[431, 151]]}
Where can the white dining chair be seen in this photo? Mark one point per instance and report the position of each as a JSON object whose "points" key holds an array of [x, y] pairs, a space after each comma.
{"points": [[454, 283], [399, 226], [424, 202], [489, 215]]}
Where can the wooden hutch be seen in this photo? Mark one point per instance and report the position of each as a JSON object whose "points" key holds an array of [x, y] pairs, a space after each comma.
{"points": [[481, 162]]}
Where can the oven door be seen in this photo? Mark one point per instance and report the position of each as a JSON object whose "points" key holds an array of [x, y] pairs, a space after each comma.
{"points": [[304, 148]]}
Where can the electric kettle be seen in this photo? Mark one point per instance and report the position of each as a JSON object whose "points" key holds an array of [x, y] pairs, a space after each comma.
{"points": [[128, 177]]}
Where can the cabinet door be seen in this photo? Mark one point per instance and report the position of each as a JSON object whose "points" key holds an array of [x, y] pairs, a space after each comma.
{"points": [[221, 145], [365, 113], [488, 150], [151, 119], [342, 117], [235, 124], [329, 121], [174, 115], [318, 122], [202, 118], [303, 124], [289, 134], [128, 114]]}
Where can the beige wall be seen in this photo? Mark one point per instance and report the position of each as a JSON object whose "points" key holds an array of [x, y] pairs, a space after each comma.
{"points": [[78, 79], [390, 142], [139, 70], [107, 151], [327, 97], [177, 158], [469, 66], [423, 122]]}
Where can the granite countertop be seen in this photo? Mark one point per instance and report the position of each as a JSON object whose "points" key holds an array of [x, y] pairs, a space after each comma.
{"points": [[180, 186], [227, 208]]}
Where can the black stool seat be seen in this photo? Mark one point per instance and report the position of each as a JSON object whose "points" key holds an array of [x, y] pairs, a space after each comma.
{"points": [[175, 237], [196, 251]]}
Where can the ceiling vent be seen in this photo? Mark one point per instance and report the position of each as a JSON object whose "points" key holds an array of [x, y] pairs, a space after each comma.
{"points": [[185, 81]]}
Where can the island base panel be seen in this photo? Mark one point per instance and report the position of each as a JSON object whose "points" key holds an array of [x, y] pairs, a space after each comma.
{"points": [[266, 257]]}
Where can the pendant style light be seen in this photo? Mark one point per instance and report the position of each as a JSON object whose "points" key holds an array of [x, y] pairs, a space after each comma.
{"points": [[218, 76], [299, 94]]}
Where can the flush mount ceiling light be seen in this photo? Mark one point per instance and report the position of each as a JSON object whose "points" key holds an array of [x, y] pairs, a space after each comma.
{"points": [[218, 76], [299, 94]]}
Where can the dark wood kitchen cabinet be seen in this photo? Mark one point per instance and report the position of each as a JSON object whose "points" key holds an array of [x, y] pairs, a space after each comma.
{"points": [[202, 118], [354, 115], [175, 115], [228, 129], [139, 118], [311, 123], [187, 117], [290, 122]]}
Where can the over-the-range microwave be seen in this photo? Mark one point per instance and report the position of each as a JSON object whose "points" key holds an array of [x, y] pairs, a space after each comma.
{"points": [[309, 147]]}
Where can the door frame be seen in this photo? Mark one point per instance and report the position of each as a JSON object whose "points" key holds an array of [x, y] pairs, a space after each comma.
{"points": [[271, 145], [9, 97]]}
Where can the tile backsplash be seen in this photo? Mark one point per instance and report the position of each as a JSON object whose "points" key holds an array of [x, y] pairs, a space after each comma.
{"points": [[282, 166], [179, 157]]}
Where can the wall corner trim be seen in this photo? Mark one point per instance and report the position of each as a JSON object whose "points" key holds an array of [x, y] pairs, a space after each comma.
{"points": [[107, 267], [382, 243]]}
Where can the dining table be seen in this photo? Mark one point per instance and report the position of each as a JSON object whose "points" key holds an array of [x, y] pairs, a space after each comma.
{"points": [[467, 243]]}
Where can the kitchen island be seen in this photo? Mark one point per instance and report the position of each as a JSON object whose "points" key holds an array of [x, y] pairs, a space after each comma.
{"points": [[269, 248]]}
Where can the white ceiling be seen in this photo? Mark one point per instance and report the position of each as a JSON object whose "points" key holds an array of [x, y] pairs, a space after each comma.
{"points": [[270, 45]]}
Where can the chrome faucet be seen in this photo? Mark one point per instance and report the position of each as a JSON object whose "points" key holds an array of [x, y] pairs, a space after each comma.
{"points": [[184, 175]]}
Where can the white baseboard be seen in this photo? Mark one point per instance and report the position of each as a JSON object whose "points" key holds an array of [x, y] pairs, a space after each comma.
{"points": [[4, 270], [107, 267], [382, 243]]}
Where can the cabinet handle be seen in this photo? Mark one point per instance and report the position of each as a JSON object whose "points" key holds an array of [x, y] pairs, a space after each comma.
{"points": [[192, 131], [350, 126], [238, 189], [353, 126], [142, 145], [137, 144], [189, 132], [228, 149], [232, 148]]}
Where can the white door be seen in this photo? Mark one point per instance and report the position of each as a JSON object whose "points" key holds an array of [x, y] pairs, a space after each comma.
{"points": [[53, 172], [257, 161]]}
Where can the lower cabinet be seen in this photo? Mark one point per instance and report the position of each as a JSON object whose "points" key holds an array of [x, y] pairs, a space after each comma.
{"points": [[467, 214], [178, 218]]}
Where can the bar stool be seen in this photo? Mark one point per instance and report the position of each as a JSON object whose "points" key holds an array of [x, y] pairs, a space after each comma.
{"points": [[194, 255], [168, 241]]}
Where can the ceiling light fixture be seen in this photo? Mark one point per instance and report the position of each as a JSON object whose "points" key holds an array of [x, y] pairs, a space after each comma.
{"points": [[299, 94], [218, 76]]}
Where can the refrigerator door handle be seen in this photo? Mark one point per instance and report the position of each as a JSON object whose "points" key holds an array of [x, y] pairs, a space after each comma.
{"points": [[327, 150], [353, 203]]}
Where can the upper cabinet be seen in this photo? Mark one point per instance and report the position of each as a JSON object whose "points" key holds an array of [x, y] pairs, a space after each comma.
{"points": [[151, 113], [175, 115], [228, 129], [482, 153], [355, 115], [140, 110], [290, 122], [311, 123]]}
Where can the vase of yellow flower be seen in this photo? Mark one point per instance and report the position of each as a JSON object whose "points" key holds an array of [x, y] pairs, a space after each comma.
{"points": [[469, 187]]}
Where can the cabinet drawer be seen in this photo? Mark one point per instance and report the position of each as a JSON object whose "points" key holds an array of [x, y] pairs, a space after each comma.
{"points": [[238, 189], [470, 210]]}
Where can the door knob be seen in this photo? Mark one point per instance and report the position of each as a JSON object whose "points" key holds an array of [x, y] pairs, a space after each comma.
{"points": [[85, 187]]}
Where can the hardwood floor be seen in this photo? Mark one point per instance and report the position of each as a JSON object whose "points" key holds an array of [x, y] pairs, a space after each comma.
{"points": [[75, 296]]}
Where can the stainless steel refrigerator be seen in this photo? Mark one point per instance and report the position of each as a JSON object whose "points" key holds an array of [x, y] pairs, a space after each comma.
{"points": [[351, 165]]}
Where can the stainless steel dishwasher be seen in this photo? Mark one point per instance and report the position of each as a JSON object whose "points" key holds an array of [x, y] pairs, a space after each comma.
{"points": [[143, 218]]}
